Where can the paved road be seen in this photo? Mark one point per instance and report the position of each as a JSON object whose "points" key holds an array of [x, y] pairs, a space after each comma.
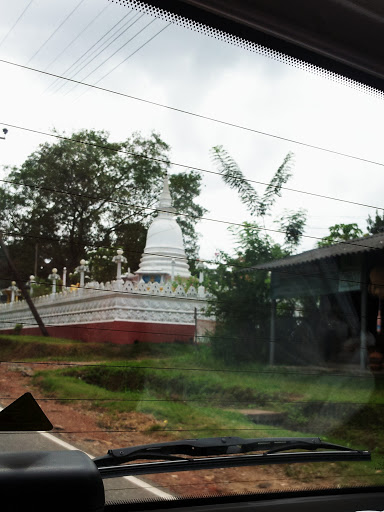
{"points": [[126, 488]]}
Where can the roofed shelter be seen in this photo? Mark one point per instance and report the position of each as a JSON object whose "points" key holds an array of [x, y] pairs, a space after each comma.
{"points": [[346, 283]]}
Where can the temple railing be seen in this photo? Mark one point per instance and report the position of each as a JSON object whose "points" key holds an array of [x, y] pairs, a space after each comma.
{"points": [[115, 301]]}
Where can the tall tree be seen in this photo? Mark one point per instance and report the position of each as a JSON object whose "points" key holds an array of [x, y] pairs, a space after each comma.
{"points": [[241, 300], [83, 191]]}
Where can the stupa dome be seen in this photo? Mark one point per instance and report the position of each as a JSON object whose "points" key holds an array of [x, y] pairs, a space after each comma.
{"points": [[164, 253]]}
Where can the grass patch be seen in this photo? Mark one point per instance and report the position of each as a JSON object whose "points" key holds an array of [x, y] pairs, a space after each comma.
{"points": [[15, 347], [180, 420], [190, 394]]}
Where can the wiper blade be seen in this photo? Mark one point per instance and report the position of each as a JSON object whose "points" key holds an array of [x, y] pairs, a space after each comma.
{"points": [[200, 447], [273, 453]]}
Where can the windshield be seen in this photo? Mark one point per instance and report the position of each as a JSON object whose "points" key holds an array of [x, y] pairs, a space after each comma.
{"points": [[200, 230]]}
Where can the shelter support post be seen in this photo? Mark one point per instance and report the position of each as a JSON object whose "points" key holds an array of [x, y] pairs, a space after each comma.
{"points": [[272, 339], [363, 316]]}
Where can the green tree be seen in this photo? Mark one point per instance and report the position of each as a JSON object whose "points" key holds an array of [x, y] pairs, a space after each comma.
{"points": [[83, 191], [340, 233], [241, 301], [375, 225]]}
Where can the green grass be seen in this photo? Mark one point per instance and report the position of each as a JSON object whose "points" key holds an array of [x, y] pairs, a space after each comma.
{"points": [[177, 420], [190, 394], [39, 348]]}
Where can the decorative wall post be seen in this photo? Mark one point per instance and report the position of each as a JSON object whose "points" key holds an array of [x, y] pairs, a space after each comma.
{"points": [[31, 282], [200, 267], [201, 290], [119, 259], [64, 277], [14, 289], [173, 264], [54, 277], [81, 269]]}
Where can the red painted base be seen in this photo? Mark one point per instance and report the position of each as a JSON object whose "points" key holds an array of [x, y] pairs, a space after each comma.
{"points": [[119, 332]]}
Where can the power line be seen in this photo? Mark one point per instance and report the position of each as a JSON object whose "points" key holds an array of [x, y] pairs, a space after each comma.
{"points": [[77, 37], [129, 56], [207, 118], [58, 77], [324, 276], [199, 169], [16, 22], [105, 60], [55, 31], [141, 208], [190, 298], [132, 21]]}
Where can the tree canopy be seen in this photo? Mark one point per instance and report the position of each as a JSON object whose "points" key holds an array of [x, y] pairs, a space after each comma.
{"points": [[83, 191], [241, 300], [340, 233], [375, 224]]}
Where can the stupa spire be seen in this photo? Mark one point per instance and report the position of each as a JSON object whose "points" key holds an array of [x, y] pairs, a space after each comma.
{"points": [[164, 254], [165, 200]]}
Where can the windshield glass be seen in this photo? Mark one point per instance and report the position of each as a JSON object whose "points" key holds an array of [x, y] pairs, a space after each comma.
{"points": [[200, 230]]}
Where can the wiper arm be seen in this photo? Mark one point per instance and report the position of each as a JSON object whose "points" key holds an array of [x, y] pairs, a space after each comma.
{"points": [[207, 448], [202, 447]]}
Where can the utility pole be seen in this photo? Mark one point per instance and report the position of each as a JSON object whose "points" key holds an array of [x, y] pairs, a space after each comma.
{"points": [[23, 288]]}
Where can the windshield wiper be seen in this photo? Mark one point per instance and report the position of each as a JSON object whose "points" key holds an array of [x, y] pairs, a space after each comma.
{"points": [[276, 450]]}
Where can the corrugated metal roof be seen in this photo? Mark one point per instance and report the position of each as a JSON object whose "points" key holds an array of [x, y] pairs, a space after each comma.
{"points": [[360, 245]]}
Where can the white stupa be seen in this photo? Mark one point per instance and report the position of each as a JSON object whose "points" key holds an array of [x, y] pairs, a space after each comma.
{"points": [[164, 254]]}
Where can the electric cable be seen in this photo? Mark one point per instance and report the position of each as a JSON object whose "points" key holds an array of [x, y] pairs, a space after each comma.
{"points": [[200, 116], [280, 307], [134, 21], [200, 218], [198, 169], [55, 31], [16, 22], [88, 53], [126, 58], [59, 77], [231, 429], [76, 38], [124, 29], [319, 274]]}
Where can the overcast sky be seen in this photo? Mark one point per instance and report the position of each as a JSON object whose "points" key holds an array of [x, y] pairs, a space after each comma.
{"points": [[190, 71]]}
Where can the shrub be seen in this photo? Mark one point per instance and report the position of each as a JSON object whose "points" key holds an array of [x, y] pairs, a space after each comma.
{"points": [[17, 329]]}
